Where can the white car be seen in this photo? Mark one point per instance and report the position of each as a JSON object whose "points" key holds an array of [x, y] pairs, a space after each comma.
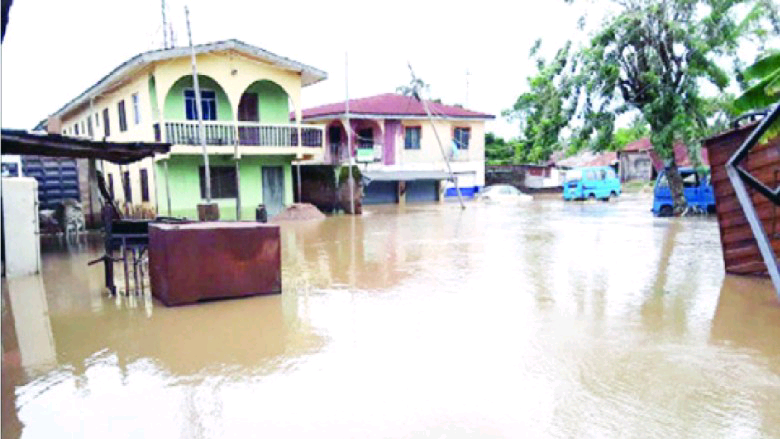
{"points": [[503, 193]]}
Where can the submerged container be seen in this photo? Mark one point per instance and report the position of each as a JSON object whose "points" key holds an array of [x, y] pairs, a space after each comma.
{"points": [[212, 260]]}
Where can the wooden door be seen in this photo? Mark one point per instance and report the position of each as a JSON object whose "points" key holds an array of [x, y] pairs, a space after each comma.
{"points": [[248, 112]]}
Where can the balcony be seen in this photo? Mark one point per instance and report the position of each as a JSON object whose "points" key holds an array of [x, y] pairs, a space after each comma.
{"points": [[243, 133], [365, 153]]}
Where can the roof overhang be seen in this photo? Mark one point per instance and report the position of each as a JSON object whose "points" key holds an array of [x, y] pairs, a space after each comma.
{"points": [[20, 142], [309, 75], [334, 116], [405, 175]]}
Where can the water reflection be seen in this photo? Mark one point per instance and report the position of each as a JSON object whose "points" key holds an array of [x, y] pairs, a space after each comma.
{"points": [[547, 320]]}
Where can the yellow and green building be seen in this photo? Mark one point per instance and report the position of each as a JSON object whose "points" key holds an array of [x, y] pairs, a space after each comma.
{"points": [[247, 97]]}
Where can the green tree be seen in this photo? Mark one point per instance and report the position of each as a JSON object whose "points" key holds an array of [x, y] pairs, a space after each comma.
{"points": [[416, 85], [542, 112], [497, 150], [652, 57], [636, 130]]}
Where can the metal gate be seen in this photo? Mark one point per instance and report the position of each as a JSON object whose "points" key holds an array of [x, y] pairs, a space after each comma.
{"points": [[380, 192], [58, 179], [421, 191]]}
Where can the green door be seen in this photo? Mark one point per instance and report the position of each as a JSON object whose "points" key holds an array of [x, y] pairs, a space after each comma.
{"points": [[273, 189]]}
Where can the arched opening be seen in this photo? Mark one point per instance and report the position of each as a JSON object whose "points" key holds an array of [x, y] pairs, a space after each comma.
{"points": [[266, 102], [367, 140], [180, 101]]}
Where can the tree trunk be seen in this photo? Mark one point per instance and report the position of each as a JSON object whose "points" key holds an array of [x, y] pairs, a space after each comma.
{"points": [[676, 186]]}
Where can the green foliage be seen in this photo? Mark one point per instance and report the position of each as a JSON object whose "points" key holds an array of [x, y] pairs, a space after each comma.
{"points": [[416, 84], [499, 151], [638, 129], [652, 57], [542, 112], [763, 81]]}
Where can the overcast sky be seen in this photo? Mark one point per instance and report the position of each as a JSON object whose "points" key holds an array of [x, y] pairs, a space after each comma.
{"points": [[54, 50]]}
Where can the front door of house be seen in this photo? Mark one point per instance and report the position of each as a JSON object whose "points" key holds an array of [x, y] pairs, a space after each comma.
{"points": [[248, 112], [273, 189]]}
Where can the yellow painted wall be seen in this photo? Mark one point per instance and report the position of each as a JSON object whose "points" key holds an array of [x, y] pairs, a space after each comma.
{"points": [[233, 71]]}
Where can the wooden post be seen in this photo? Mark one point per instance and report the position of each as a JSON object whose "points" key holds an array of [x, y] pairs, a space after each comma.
{"points": [[238, 190], [441, 147], [199, 110], [167, 186], [350, 180]]}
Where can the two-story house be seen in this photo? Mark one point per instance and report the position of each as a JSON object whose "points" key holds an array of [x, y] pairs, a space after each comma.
{"points": [[395, 146], [247, 94]]}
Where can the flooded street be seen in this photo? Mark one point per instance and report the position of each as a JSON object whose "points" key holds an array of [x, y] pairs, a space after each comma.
{"points": [[540, 320]]}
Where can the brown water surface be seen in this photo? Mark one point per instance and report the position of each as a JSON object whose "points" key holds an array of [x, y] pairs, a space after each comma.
{"points": [[541, 320]]}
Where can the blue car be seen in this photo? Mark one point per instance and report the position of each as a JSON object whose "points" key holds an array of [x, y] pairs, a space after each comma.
{"points": [[696, 187], [591, 183]]}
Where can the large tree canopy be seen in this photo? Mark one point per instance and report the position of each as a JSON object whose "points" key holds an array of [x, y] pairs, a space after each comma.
{"points": [[653, 58]]}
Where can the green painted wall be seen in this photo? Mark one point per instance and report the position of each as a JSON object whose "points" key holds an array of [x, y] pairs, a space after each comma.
{"points": [[184, 182], [174, 101], [273, 103], [153, 98]]}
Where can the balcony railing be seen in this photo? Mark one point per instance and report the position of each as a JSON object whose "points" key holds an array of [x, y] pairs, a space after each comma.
{"points": [[246, 133]]}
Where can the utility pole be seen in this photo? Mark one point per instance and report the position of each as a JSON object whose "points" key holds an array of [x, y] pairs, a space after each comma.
{"points": [[466, 104], [438, 140], [351, 180], [164, 26], [199, 110]]}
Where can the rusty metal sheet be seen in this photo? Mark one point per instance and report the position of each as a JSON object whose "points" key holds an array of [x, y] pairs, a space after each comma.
{"points": [[212, 260]]}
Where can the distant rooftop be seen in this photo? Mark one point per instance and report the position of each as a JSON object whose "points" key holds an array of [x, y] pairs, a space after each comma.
{"points": [[391, 105]]}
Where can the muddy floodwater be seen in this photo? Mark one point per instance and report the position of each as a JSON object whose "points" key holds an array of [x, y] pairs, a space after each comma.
{"points": [[539, 320]]}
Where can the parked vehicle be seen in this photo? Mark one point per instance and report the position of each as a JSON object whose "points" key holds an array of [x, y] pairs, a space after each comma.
{"points": [[696, 187], [503, 193], [597, 182]]}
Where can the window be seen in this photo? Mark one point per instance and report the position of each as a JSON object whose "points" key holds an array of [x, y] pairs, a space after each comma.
{"points": [[126, 187], [122, 116], [223, 182], [365, 138], [89, 126], [106, 129], [83, 128], [610, 174], [76, 129], [136, 109], [462, 136], [144, 185], [111, 185], [97, 119], [208, 100], [690, 179], [412, 138]]}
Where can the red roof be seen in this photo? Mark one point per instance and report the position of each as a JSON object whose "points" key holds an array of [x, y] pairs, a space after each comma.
{"points": [[605, 159], [390, 104], [642, 144], [681, 156]]}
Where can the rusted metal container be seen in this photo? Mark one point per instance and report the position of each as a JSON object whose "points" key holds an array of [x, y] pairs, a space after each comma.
{"points": [[211, 260], [740, 250]]}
